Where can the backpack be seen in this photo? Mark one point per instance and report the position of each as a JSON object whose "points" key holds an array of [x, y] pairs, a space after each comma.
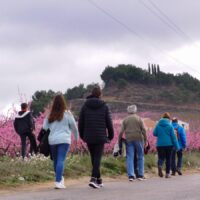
{"points": [[176, 133], [44, 147]]}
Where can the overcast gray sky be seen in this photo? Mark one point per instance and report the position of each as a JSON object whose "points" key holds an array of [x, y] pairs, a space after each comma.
{"points": [[58, 44]]}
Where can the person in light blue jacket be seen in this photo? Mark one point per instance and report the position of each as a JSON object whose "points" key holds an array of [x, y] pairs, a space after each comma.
{"points": [[61, 124], [181, 136], [166, 140]]}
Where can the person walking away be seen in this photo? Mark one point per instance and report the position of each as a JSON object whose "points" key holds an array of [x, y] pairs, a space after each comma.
{"points": [[24, 126], [136, 138], [61, 123], [181, 137], [96, 129], [166, 140]]}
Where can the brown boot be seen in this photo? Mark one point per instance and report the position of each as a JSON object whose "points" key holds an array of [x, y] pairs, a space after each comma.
{"points": [[179, 172]]}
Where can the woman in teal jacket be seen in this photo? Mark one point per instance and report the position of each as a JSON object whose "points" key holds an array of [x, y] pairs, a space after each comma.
{"points": [[166, 140]]}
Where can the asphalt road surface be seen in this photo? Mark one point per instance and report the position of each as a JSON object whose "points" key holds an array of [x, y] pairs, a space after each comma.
{"points": [[185, 187]]}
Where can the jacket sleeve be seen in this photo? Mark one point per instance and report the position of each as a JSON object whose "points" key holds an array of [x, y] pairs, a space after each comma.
{"points": [[81, 123], [45, 125], [73, 126], [31, 122], [109, 124], [183, 137], [155, 132], [143, 130], [15, 126], [121, 131]]}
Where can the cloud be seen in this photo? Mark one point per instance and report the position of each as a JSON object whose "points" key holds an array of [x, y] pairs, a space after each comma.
{"points": [[55, 45]]}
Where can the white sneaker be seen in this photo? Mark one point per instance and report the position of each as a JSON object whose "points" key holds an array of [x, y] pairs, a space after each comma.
{"points": [[59, 185], [63, 180], [141, 178]]}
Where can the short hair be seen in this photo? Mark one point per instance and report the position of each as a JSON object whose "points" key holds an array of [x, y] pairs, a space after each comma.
{"points": [[24, 106], [96, 92], [132, 109], [166, 115], [174, 119]]}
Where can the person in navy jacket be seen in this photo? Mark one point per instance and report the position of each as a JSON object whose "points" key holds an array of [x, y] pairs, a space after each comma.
{"points": [[181, 137]]}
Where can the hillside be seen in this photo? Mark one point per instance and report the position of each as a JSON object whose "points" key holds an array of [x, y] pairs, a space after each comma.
{"points": [[150, 89], [167, 95], [151, 97], [130, 84], [157, 98]]}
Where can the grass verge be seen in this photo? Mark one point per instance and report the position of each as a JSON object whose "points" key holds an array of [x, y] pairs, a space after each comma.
{"points": [[15, 171]]}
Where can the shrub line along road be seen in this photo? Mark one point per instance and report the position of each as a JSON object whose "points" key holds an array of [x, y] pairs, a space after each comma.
{"points": [[186, 187]]}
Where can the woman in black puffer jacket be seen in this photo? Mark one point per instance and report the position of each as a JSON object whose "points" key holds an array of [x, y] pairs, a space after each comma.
{"points": [[95, 128]]}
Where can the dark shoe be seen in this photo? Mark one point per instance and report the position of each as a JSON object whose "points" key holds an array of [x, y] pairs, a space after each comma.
{"points": [[179, 172], [167, 176], [93, 183], [160, 173], [131, 178], [99, 182], [173, 173]]}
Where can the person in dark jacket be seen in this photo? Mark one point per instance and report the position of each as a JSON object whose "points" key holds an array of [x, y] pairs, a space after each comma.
{"points": [[181, 137], [24, 126], [95, 128]]}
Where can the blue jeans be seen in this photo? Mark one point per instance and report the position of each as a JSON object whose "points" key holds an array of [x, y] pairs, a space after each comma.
{"points": [[176, 165], [130, 152], [59, 153]]}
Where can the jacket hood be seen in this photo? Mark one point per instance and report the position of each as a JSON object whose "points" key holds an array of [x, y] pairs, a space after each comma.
{"points": [[94, 103], [22, 114], [164, 122], [175, 124]]}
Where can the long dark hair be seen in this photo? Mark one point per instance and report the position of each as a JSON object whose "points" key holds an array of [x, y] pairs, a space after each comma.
{"points": [[58, 108]]}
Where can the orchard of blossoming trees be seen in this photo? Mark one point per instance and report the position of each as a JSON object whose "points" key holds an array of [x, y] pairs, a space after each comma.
{"points": [[10, 142]]}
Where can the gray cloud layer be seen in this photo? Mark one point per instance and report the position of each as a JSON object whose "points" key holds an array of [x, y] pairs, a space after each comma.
{"points": [[52, 44]]}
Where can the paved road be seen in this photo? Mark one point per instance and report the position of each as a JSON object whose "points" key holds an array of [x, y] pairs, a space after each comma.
{"points": [[185, 187]]}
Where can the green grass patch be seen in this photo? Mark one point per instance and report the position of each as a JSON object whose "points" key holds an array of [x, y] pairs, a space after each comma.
{"points": [[15, 171]]}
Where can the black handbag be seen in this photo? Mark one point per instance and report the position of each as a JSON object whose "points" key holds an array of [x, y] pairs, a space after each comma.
{"points": [[147, 148], [43, 146]]}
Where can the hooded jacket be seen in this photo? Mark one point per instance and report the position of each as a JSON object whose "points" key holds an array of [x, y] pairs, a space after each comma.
{"points": [[181, 135], [95, 123], [60, 131], [164, 132], [24, 122]]}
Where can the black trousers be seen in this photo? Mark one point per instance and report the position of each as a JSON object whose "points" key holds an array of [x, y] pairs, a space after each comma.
{"points": [[33, 144], [164, 153], [96, 152]]}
